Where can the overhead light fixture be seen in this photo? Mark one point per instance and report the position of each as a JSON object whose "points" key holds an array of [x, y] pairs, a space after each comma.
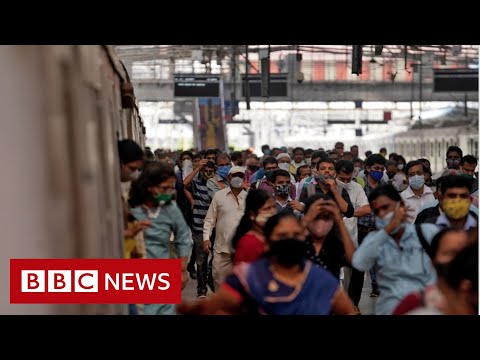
{"points": [[357, 53]]}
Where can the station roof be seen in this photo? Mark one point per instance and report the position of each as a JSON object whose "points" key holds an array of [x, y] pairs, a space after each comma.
{"points": [[461, 54]]}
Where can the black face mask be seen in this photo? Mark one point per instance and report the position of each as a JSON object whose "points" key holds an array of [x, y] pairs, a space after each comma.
{"points": [[441, 269], [288, 252], [253, 168], [391, 175]]}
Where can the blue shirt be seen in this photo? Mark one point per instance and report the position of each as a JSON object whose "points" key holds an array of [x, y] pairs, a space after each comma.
{"points": [[401, 268], [157, 235]]}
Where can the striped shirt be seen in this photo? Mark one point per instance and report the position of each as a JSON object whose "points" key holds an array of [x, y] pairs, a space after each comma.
{"points": [[368, 220], [201, 202]]}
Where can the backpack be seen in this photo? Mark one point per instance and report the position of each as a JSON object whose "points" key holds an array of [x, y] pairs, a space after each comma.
{"points": [[220, 183]]}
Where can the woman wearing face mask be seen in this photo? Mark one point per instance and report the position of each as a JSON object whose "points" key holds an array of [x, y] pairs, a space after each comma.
{"points": [[400, 179], [248, 243], [283, 282], [151, 197], [131, 161], [328, 244], [395, 249]]}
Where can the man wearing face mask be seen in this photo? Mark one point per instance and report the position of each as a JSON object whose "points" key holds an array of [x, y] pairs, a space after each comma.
{"points": [[395, 250], [219, 181], [326, 184], [270, 164], [328, 243], [372, 178], [344, 170], [453, 157], [298, 157], [283, 200], [285, 163], [252, 168], [196, 183], [391, 172], [308, 156], [266, 150], [316, 157], [417, 194], [225, 211], [455, 203], [468, 164]]}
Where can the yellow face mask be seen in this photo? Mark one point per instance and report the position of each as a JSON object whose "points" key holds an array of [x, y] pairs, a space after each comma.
{"points": [[456, 208]]}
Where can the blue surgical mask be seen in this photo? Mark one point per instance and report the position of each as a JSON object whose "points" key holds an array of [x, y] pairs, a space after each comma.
{"points": [[416, 182], [223, 171], [381, 223], [376, 175]]}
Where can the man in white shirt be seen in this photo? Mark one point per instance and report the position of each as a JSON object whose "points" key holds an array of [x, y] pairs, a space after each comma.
{"points": [[224, 214], [417, 194], [344, 170]]}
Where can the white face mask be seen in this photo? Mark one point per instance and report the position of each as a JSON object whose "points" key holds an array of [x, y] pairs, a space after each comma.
{"points": [[400, 167], [187, 164], [284, 166], [134, 175], [343, 185], [261, 219], [236, 182], [308, 161], [321, 228]]}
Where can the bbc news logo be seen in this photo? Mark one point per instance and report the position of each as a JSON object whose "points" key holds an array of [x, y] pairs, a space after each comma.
{"points": [[95, 281]]}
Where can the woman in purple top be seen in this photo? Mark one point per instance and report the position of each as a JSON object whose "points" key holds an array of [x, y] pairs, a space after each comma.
{"points": [[283, 282]]}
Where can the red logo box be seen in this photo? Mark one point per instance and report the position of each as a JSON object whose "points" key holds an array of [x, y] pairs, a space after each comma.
{"points": [[95, 281]]}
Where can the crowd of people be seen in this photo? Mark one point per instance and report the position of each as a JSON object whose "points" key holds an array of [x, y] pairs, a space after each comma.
{"points": [[296, 230]]}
